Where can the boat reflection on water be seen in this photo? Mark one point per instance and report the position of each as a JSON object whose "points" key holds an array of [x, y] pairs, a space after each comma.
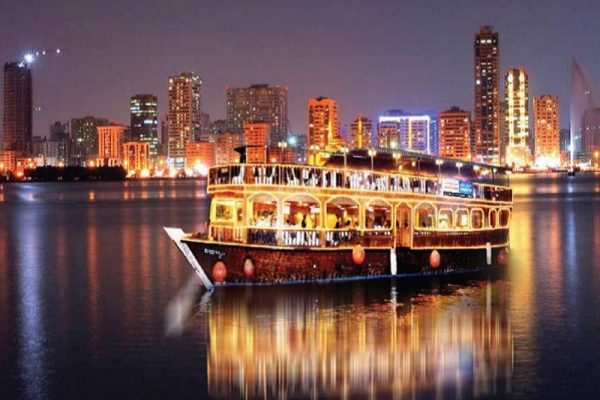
{"points": [[376, 339]]}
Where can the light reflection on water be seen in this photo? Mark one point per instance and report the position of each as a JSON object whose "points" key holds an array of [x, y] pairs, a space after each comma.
{"points": [[85, 281], [360, 340]]}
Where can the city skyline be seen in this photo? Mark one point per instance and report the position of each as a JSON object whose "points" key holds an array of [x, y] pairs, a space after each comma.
{"points": [[350, 73]]}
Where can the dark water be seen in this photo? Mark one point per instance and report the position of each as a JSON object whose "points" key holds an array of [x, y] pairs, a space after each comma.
{"points": [[93, 304]]}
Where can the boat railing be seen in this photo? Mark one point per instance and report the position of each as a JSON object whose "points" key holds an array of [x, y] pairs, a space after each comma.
{"points": [[341, 237], [459, 239], [226, 233], [330, 178]]}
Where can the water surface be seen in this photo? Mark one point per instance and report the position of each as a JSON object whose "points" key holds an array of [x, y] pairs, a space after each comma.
{"points": [[93, 304]]}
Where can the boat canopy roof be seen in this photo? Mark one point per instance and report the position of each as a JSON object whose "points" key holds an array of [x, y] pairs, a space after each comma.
{"points": [[387, 160]]}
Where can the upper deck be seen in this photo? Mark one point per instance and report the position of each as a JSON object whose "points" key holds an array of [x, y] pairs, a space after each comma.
{"points": [[348, 174]]}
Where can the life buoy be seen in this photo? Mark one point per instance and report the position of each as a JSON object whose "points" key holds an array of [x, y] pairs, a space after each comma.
{"points": [[502, 257]]}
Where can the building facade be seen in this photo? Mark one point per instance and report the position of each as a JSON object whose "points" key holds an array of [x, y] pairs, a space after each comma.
{"points": [[199, 155], [144, 121], [590, 132], [546, 130], [184, 115], [455, 133], [18, 108], [516, 89], [226, 143], [323, 126], [399, 130], [84, 134], [110, 144], [361, 131], [136, 155], [256, 140], [486, 129], [259, 103]]}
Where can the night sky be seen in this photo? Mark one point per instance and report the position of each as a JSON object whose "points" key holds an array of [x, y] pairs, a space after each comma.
{"points": [[370, 56]]}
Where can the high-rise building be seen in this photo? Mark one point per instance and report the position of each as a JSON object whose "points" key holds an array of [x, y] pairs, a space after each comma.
{"points": [[259, 103], [434, 144], [323, 125], [199, 155], [516, 89], [18, 108], [256, 140], [503, 131], [184, 116], [84, 134], [110, 144], [565, 145], [546, 130], [136, 155], [361, 131], [590, 131], [404, 131], [582, 98], [454, 134], [59, 131], [226, 143], [144, 120], [486, 128]]}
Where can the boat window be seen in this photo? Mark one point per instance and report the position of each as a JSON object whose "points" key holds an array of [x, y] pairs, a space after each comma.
{"points": [[378, 215], [504, 216], [493, 217], [224, 211], [445, 219], [263, 211], [477, 219], [342, 213], [425, 216], [301, 212], [462, 218]]}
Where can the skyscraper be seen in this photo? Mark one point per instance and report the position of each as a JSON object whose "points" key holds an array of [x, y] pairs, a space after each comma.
{"points": [[85, 137], [361, 130], [185, 116], [516, 89], [486, 122], [323, 125], [546, 130], [582, 99], [18, 108], [454, 134], [259, 103], [144, 120]]}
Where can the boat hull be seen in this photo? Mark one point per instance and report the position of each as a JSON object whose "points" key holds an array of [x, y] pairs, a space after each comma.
{"points": [[289, 265]]}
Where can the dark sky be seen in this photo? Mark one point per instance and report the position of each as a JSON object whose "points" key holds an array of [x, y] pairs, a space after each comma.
{"points": [[370, 56]]}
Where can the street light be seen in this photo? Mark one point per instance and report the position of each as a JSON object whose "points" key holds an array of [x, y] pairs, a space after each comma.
{"points": [[459, 166], [282, 146], [372, 153], [439, 163]]}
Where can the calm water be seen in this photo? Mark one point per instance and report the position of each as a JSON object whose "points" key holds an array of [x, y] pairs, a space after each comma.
{"points": [[96, 302]]}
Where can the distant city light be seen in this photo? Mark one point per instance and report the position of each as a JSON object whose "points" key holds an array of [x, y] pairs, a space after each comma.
{"points": [[29, 58]]}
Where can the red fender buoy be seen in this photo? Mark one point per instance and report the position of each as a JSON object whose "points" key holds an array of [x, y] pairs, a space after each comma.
{"points": [[248, 267], [219, 272], [502, 257], [358, 254], [435, 259]]}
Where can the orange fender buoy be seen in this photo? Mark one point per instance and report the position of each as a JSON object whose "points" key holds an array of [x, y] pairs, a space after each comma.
{"points": [[502, 257], [358, 254], [219, 272], [435, 259], [248, 267]]}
